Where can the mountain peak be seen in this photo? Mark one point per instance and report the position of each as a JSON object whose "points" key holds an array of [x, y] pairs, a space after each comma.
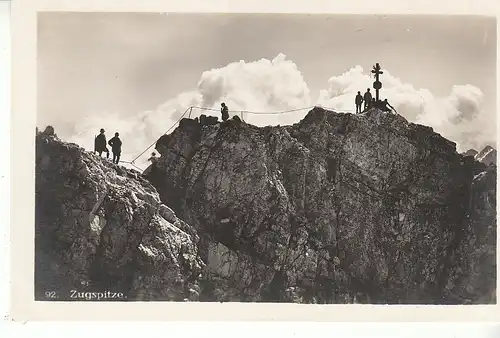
{"points": [[487, 156], [337, 208]]}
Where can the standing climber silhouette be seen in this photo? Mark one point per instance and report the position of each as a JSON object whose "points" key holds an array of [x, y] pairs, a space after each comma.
{"points": [[153, 160], [224, 111], [116, 147], [100, 144], [367, 97], [359, 101]]}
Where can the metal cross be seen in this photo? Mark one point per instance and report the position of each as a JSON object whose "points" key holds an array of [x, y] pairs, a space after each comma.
{"points": [[377, 84]]}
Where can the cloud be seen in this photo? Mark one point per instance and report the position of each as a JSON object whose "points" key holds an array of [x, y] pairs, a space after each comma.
{"points": [[259, 86], [278, 85], [459, 116]]}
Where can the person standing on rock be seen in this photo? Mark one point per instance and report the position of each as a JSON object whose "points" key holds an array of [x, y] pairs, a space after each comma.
{"points": [[153, 160], [359, 101], [116, 147], [367, 98], [224, 111], [100, 144]]}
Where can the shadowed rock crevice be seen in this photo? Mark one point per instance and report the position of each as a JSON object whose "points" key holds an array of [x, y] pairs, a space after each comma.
{"points": [[365, 208]]}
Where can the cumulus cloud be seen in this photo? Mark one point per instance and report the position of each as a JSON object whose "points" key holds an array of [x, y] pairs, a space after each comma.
{"points": [[259, 86], [278, 85], [459, 116]]}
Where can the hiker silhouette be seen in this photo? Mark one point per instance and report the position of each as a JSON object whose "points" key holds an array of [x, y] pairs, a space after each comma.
{"points": [[116, 147], [153, 158], [367, 98], [100, 144], [224, 111], [386, 106], [358, 101]]}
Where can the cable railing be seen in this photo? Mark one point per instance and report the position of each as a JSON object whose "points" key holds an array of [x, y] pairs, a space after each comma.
{"points": [[189, 112]]}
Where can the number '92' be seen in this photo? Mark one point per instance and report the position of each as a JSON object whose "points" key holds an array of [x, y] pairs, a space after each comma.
{"points": [[50, 294]]}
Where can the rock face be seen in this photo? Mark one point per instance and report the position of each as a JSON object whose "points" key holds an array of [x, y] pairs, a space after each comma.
{"points": [[338, 208], [100, 227], [487, 156]]}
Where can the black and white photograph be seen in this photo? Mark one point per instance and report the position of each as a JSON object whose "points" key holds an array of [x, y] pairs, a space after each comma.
{"points": [[265, 158]]}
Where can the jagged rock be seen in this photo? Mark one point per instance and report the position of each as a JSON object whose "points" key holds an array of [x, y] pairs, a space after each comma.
{"points": [[49, 130], [473, 276], [208, 120], [102, 227], [470, 152], [487, 156], [338, 208]]}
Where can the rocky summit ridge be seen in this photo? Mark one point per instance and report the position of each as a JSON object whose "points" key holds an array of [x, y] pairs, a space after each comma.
{"points": [[338, 208]]}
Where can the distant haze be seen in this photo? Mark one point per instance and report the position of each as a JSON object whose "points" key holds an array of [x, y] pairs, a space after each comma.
{"points": [[137, 73]]}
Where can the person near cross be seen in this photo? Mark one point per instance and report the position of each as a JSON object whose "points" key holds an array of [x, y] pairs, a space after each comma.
{"points": [[358, 101], [386, 106], [367, 98]]}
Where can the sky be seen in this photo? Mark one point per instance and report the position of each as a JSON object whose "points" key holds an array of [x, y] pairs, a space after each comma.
{"points": [[138, 72]]}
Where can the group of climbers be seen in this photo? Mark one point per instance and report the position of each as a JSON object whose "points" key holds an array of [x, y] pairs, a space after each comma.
{"points": [[367, 99], [100, 146], [370, 102]]}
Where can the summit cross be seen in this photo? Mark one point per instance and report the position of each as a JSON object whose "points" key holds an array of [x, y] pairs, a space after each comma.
{"points": [[377, 84]]}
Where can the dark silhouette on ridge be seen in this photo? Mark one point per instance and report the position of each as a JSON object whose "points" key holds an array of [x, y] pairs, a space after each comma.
{"points": [[224, 111], [358, 101], [116, 147], [100, 144], [386, 106], [367, 98]]}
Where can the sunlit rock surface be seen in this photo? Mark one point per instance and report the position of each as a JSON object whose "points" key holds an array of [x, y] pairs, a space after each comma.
{"points": [[100, 227], [338, 208]]}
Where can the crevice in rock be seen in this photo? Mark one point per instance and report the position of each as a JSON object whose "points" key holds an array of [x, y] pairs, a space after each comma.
{"points": [[461, 215]]}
